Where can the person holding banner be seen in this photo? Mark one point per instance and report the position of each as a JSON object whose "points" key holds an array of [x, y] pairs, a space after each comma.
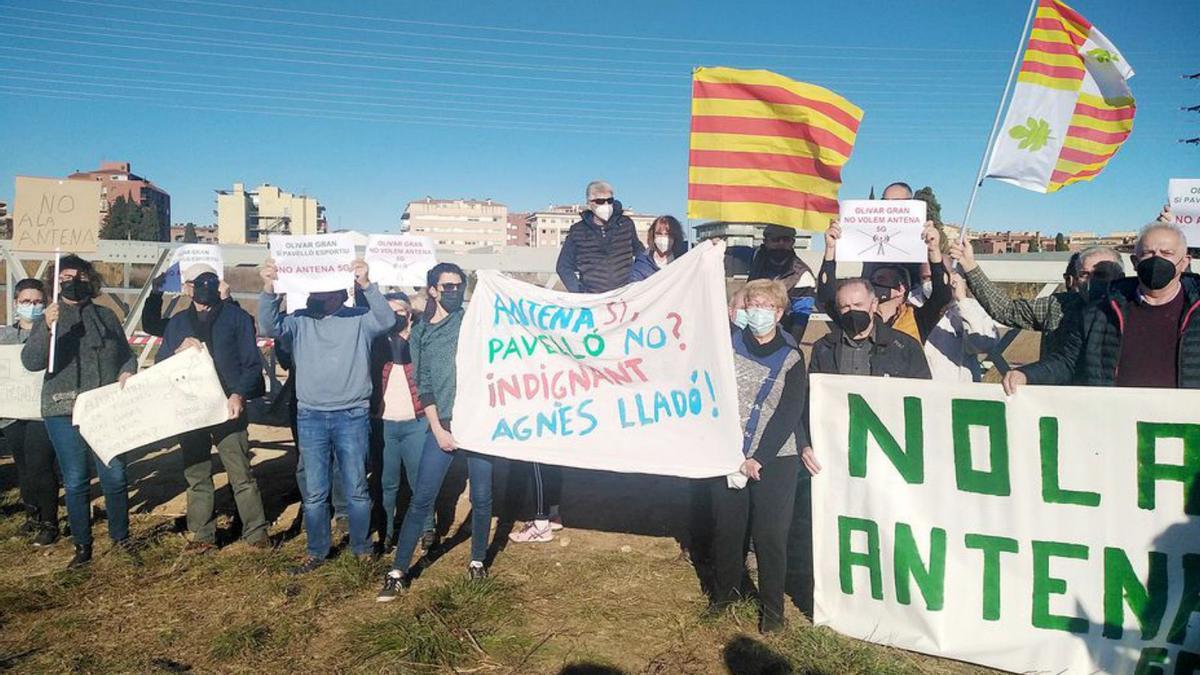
{"points": [[227, 332], [434, 350], [665, 242], [770, 370], [776, 259], [1142, 332], [91, 351], [331, 345], [26, 439], [1093, 266]]}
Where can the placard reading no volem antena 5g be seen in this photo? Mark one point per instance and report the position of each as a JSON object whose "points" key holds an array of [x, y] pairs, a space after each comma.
{"points": [[1054, 531]]}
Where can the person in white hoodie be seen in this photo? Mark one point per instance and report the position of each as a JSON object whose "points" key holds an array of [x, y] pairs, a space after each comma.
{"points": [[964, 332]]}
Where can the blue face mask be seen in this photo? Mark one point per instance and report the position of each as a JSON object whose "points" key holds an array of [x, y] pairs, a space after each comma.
{"points": [[31, 312], [740, 318], [761, 320]]}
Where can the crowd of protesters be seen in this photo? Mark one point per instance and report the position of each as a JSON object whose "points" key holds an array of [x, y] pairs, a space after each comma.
{"points": [[372, 385]]}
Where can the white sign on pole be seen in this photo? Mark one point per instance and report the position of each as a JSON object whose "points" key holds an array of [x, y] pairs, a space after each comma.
{"points": [[187, 256], [636, 380], [1053, 531], [881, 230], [182, 393], [312, 263], [1183, 196], [20, 390], [399, 259]]}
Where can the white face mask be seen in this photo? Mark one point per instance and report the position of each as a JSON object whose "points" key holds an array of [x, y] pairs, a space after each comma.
{"points": [[740, 318], [603, 211], [662, 242], [761, 320]]}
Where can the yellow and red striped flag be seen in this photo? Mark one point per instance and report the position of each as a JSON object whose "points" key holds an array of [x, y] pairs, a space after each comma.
{"points": [[767, 149], [1072, 107]]}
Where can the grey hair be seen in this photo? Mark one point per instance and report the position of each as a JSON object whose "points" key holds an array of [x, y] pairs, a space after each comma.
{"points": [[596, 187], [1159, 227], [1093, 251], [854, 281]]}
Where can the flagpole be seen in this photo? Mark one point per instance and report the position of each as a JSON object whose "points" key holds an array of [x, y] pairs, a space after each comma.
{"points": [[987, 150]]}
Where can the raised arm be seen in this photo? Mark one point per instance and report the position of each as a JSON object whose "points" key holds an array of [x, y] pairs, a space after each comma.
{"points": [[1024, 314]]}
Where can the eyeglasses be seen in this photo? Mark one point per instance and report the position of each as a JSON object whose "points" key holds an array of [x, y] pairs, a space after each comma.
{"points": [[604, 200], [30, 302], [449, 287]]}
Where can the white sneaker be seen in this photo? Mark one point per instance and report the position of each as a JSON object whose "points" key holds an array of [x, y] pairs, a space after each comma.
{"points": [[535, 532]]}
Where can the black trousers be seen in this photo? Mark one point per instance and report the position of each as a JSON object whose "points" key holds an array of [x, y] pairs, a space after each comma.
{"points": [[34, 456], [547, 485], [799, 583], [764, 508]]}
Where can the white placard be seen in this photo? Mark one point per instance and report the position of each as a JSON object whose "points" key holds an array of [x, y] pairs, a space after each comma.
{"points": [[20, 390], [312, 263], [881, 230], [1183, 195], [636, 380], [179, 394], [399, 259], [188, 255], [1053, 531]]}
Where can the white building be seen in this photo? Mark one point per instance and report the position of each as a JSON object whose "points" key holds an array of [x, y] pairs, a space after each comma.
{"points": [[458, 225]]}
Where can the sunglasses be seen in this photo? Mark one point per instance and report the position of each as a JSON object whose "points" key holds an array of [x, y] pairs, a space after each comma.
{"points": [[449, 287], [605, 200]]}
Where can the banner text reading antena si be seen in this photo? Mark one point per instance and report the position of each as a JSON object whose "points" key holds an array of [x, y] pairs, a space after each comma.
{"points": [[636, 380], [1052, 531]]}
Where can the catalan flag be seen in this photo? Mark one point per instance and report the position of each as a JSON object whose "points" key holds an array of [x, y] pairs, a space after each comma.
{"points": [[767, 149], [1072, 107]]}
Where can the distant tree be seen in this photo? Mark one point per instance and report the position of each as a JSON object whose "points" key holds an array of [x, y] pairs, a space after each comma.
{"points": [[1060, 242], [1035, 244], [189, 234], [127, 220], [933, 211], [872, 195]]}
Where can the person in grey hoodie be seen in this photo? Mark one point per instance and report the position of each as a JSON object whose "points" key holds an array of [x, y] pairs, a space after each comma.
{"points": [[91, 351], [331, 346]]}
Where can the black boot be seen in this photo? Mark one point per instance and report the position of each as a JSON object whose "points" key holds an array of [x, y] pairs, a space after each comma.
{"points": [[83, 555], [47, 534]]}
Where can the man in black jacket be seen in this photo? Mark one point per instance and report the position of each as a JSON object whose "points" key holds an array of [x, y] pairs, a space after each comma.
{"points": [[599, 250], [860, 343], [227, 331], [1144, 332]]}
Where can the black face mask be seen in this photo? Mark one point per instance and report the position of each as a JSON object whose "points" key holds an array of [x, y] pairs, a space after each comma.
{"points": [[1156, 273], [777, 256], [326, 303], [854, 321], [451, 301], [401, 323], [75, 290], [208, 296]]}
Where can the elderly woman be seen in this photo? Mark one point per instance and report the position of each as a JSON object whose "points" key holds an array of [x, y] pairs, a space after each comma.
{"points": [[759, 498], [91, 351]]}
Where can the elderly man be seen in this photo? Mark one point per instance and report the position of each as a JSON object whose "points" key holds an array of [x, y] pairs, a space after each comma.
{"points": [[1140, 333], [776, 260], [227, 332], [1089, 270]]}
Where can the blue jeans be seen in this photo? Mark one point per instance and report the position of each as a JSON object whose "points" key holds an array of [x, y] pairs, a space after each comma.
{"points": [[403, 443], [337, 494], [325, 434], [434, 464], [72, 453]]}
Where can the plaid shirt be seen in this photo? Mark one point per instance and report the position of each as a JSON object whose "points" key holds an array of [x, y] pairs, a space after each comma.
{"points": [[1043, 315]]}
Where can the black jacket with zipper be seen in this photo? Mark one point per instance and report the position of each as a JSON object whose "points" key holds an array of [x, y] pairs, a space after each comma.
{"points": [[893, 354], [1090, 346]]}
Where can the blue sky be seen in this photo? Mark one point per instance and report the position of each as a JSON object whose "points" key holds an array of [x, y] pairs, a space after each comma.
{"points": [[369, 105]]}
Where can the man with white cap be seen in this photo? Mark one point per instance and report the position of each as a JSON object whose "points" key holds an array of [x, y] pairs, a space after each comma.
{"points": [[227, 332]]}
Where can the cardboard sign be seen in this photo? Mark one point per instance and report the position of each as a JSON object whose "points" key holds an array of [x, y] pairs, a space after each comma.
{"points": [[50, 214], [637, 380], [399, 259], [180, 394], [882, 230], [1183, 194], [188, 255], [312, 263], [20, 390], [1052, 531]]}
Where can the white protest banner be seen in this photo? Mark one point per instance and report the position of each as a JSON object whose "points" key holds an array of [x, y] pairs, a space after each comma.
{"points": [[52, 214], [1054, 531], [187, 256], [1183, 196], [180, 394], [881, 230], [20, 390], [311, 263], [399, 259], [637, 380]]}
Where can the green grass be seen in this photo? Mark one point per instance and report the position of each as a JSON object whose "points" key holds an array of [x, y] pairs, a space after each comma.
{"points": [[240, 640]]}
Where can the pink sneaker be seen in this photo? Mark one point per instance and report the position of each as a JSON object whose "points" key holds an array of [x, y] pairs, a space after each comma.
{"points": [[556, 523], [534, 532]]}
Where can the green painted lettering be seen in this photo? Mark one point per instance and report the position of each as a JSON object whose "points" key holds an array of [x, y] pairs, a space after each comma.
{"points": [[1121, 585], [907, 566], [1052, 490], [909, 462], [992, 547], [848, 557], [1045, 586], [1150, 471], [967, 413]]}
